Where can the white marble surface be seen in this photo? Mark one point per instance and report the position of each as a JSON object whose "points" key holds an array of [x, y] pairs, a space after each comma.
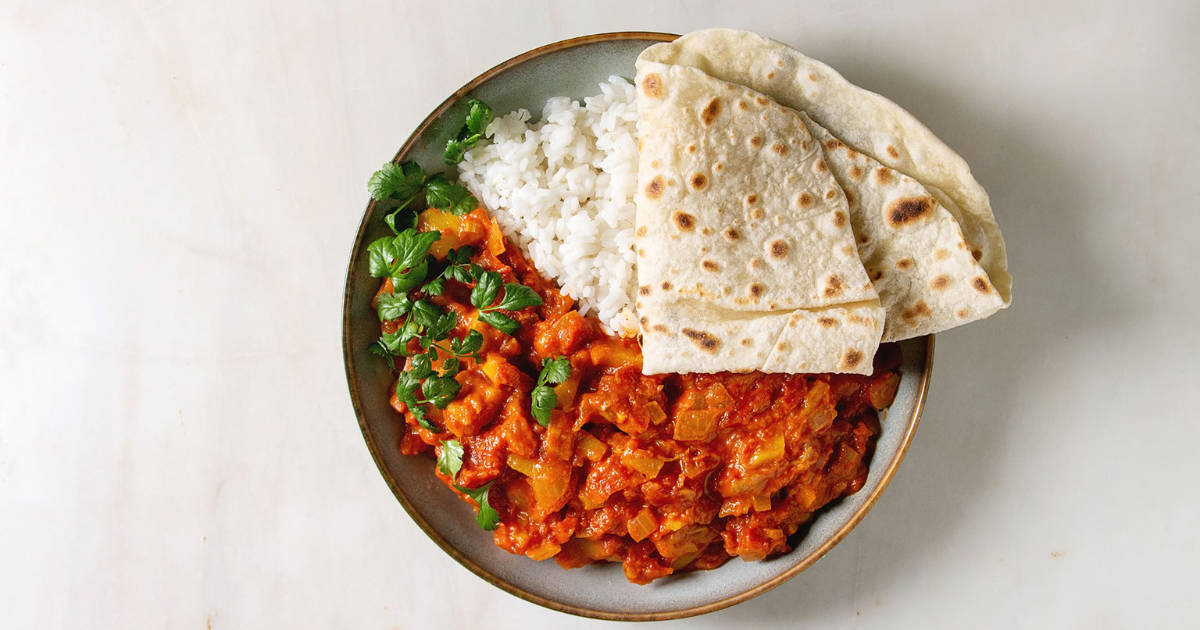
{"points": [[180, 184]]}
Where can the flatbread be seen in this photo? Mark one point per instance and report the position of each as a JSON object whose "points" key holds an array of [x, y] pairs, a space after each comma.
{"points": [[913, 248], [742, 234], [863, 120]]}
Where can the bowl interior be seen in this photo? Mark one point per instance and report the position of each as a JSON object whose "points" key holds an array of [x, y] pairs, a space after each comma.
{"points": [[574, 68]]}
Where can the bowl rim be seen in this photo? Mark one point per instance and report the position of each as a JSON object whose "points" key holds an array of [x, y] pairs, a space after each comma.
{"points": [[471, 565]]}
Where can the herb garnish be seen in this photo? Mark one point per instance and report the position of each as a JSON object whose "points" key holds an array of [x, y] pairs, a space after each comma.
{"points": [[554, 372], [404, 258], [479, 115], [516, 297], [487, 517], [428, 377], [449, 461]]}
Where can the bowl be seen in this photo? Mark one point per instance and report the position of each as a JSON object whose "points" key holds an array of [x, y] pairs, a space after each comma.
{"points": [[574, 67]]}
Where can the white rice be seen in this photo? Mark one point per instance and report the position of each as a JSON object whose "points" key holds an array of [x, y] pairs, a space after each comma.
{"points": [[562, 189]]}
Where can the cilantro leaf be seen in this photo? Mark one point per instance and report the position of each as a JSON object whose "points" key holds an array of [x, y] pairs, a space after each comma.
{"points": [[401, 181], [544, 401], [422, 417], [420, 367], [435, 286], [450, 367], [487, 517], [380, 254], [380, 350], [544, 398], [404, 280], [468, 345], [479, 116], [426, 313], [409, 331], [411, 247], [443, 325], [460, 273], [392, 306], [455, 150], [449, 460], [406, 384], [485, 289], [440, 390], [554, 371], [500, 321], [392, 343], [442, 194], [518, 296], [410, 219]]}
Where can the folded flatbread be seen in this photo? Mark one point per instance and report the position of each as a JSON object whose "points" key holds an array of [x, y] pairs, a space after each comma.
{"points": [[746, 257], [916, 166]]}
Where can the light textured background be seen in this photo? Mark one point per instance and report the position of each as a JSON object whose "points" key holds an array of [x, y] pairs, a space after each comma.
{"points": [[180, 185]]}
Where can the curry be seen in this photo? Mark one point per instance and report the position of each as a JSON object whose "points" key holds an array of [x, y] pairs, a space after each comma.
{"points": [[663, 473]]}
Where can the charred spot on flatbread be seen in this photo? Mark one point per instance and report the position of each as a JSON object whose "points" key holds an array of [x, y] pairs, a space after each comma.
{"points": [[652, 86], [916, 311], [804, 200], [855, 172], [908, 210], [698, 181], [684, 221], [839, 218], [939, 282], [780, 148], [656, 187], [703, 340], [756, 290], [644, 289], [981, 284], [833, 286], [709, 114], [755, 141], [709, 265], [731, 234], [827, 322], [778, 248], [851, 359], [883, 176], [904, 264]]}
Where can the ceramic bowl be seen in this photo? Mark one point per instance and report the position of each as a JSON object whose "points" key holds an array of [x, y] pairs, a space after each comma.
{"points": [[574, 67]]}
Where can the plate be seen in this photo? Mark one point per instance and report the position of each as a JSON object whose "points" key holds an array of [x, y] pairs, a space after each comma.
{"points": [[575, 67]]}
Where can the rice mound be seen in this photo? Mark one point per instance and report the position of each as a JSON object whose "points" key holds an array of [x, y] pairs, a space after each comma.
{"points": [[562, 189]]}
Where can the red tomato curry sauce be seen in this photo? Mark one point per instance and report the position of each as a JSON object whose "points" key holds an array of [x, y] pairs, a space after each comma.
{"points": [[661, 473]]}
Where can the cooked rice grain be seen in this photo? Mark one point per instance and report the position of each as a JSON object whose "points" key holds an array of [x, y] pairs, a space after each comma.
{"points": [[563, 188]]}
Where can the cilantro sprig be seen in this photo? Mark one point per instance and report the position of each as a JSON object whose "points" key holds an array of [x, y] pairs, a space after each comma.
{"points": [[479, 116], [554, 372], [487, 517], [516, 297], [401, 184]]}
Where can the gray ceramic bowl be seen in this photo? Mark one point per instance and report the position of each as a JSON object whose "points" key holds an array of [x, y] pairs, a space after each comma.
{"points": [[574, 67]]}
